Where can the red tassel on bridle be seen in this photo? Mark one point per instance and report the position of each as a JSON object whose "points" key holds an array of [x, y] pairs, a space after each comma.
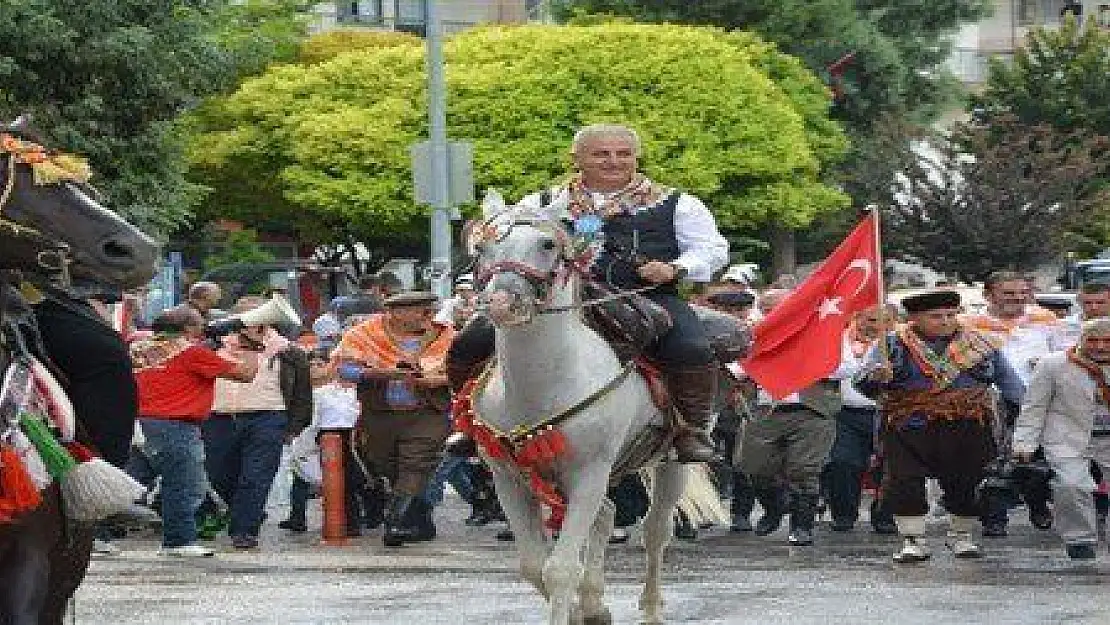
{"points": [[18, 492]]}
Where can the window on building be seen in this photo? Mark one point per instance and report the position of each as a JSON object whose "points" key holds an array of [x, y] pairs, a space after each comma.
{"points": [[360, 12], [412, 16]]}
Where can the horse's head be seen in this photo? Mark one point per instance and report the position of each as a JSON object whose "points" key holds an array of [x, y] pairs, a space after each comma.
{"points": [[523, 261], [49, 192]]}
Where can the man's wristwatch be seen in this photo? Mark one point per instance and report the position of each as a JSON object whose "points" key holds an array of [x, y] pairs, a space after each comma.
{"points": [[679, 271]]}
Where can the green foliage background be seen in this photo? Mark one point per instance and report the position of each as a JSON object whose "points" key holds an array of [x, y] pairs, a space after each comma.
{"points": [[108, 79], [324, 146]]}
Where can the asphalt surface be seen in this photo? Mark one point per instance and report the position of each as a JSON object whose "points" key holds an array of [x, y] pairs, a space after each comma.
{"points": [[466, 576]]}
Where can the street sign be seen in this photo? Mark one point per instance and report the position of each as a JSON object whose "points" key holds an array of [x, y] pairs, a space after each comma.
{"points": [[460, 173]]}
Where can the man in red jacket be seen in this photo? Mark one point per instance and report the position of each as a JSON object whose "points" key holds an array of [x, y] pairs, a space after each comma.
{"points": [[176, 373]]}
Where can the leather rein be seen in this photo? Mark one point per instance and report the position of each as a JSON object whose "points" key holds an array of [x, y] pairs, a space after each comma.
{"points": [[544, 281]]}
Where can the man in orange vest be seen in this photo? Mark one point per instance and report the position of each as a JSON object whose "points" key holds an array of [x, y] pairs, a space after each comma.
{"points": [[397, 357]]}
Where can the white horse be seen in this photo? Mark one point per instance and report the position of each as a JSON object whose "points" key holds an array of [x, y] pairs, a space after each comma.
{"points": [[549, 363]]}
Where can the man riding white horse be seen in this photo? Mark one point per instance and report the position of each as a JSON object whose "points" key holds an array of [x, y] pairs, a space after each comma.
{"points": [[653, 236]]}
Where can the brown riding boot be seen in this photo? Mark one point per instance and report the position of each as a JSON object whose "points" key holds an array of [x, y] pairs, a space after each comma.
{"points": [[692, 390]]}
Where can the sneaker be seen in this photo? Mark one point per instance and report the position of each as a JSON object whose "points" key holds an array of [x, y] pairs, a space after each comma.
{"points": [[618, 536], [1081, 552], [962, 546], [244, 542], [105, 548], [800, 537], [911, 551], [187, 551]]}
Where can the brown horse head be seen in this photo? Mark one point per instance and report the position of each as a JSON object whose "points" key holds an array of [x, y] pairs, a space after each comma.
{"points": [[49, 193]]}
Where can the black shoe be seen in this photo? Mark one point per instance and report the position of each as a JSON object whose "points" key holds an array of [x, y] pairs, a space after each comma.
{"points": [[741, 524], [505, 535], [995, 530], [685, 531], [1040, 516], [842, 526], [293, 526], [800, 537], [1081, 552], [244, 542], [884, 528], [399, 527], [768, 524]]}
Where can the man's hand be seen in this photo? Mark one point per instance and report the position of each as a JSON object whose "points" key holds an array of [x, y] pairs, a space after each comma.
{"points": [[658, 272], [883, 373]]}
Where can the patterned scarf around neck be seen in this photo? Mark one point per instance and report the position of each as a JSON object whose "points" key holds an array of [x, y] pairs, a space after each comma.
{"points": [[965, 350], [1093, 369], [640, 191]]}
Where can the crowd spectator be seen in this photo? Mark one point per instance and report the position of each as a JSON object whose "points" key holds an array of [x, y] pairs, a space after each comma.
{"points": [[250, 422], [176, 374]]}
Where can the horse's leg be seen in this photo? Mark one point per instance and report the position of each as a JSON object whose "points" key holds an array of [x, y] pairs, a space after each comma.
{"points": [[24, 572], [69, 561], [563, 571], [526, 520], [591, 592], [667, 487]]}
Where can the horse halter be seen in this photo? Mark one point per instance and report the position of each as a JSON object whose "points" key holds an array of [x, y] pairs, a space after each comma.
{"points": [[47, 168], [543, 281]]}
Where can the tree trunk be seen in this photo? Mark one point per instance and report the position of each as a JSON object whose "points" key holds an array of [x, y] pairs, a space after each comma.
{"points": [[784, 260]]}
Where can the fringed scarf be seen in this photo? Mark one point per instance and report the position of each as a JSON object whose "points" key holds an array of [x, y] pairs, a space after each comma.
{"points": [[964, 351], [640, 191], [157, 350]]}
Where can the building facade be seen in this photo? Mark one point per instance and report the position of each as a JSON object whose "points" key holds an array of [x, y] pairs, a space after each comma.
{"points": [[409, 15], [1004, 31]]}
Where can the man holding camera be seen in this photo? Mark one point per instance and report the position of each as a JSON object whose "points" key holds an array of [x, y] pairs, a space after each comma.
{"points": [[1067, 411], [176, 374], [398, 359]]}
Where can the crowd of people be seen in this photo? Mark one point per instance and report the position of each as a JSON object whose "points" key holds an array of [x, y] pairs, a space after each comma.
{"points": [[926, 389]]}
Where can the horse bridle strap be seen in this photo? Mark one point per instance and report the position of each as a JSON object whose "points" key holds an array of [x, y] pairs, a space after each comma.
{"points": [[519, 434]]}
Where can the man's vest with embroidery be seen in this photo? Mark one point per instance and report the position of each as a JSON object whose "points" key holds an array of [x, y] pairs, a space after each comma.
{"points": [[647, 234]]}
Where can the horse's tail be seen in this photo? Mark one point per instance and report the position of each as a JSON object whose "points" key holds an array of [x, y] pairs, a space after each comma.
{"points": [[700, 501]]}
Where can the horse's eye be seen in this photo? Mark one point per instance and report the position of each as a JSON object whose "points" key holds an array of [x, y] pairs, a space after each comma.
{"points": [[548, 244]]}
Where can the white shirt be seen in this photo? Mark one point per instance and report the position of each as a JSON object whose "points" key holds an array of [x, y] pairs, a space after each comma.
{"points": [[334, 407], [702, 249]]}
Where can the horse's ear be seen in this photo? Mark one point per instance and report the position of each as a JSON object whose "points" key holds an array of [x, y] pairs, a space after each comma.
{"points": [[493, 204]]}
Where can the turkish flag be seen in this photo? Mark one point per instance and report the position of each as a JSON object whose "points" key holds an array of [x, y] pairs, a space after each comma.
{"points": [[801, 340]]}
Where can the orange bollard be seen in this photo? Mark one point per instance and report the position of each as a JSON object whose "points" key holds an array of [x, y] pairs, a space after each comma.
{"points": [[335, 501]]}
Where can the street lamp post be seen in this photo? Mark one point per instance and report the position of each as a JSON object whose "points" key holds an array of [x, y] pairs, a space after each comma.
{"points": [[437, 135]]}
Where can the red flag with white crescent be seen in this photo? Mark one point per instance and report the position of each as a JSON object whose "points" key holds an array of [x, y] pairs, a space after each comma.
{"points": [[801, 340]]}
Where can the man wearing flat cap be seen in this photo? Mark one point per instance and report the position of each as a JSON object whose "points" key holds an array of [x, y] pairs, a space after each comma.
{"points": [[938, 414], [397, 357]]}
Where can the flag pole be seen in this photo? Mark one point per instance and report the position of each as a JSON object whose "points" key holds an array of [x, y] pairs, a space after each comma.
{"points": [[884, 348]]}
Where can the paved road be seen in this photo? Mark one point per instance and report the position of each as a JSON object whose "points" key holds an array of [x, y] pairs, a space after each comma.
{"points": [[466, 576]]}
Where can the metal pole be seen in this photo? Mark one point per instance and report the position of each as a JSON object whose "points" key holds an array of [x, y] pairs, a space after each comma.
{"points": [[437, 134]]}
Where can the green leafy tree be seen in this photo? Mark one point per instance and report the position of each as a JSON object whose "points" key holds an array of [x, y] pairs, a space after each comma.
{"points": [[107, 78], [995, 196], [896, 46], [324, 147], [1060, 77], [240, 246]]}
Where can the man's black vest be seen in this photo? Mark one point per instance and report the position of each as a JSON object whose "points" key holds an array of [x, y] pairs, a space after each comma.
{"points": [[635, 238]]}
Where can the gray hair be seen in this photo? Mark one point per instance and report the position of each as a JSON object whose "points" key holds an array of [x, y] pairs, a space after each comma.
{"points": [[594, 131], [1097, 327]]}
